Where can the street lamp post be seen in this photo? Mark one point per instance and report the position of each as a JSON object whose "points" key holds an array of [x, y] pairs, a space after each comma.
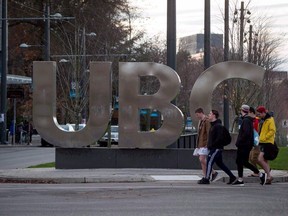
{"points": [[226, 58], [241, 29], [4, 61], [171, 34], [47, 33], [207, 34], [253, 37], [47, 19], [242, 19], [4, 57], [250, 43]]}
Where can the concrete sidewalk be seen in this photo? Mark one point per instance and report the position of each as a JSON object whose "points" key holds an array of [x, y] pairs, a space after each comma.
{"points": [[51, 175]]}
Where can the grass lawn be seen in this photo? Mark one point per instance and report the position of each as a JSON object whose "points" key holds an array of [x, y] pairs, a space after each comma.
{"points": [[281, 162], [45, 165]]}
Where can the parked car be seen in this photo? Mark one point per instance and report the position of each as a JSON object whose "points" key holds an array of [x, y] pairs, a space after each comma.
{"points": [[114, 136], [190, 129], [67, 127]]}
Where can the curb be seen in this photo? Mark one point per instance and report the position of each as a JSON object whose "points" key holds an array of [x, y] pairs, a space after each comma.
{"points": [[256, 179], [118, 179], [121, 179]]}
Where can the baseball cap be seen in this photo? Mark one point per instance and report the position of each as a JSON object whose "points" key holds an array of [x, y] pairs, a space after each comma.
{"points": [[245, 108], [261, 109]]}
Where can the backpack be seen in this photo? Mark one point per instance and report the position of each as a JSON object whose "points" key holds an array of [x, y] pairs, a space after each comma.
{"points": [[272, 151], [226, 136], [255, 138]]}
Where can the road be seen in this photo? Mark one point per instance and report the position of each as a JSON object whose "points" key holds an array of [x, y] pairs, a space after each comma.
{"points": [[143, 199], [161, 198], [23, 157]]}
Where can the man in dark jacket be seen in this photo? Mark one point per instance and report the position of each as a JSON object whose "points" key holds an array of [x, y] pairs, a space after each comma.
{"points": [[215, 146], [244, 144]]}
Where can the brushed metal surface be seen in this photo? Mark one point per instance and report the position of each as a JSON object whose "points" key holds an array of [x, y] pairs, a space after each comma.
{"points": [[201, 94], [44, 105], [131, 101]]}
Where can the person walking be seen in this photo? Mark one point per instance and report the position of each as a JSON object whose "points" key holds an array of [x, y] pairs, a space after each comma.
{"points": [[215, 147], [244, 144], [254, 153], [266, 140], [202, 140]]}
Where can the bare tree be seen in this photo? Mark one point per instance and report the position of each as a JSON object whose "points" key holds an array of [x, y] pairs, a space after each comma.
{"points": [[259, 47], [189, 70], [110, 21]]}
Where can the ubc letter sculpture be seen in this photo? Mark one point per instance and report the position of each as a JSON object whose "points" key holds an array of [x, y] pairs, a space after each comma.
{"points": [[201, 94], [44, 105], [130, 101]]}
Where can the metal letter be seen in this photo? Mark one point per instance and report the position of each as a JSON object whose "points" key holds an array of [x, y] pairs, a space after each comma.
{"points": [[201, 94], [130, 102], [44, 105]]}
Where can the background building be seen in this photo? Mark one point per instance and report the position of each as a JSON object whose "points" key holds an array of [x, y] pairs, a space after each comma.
{"points": [[195, 43]]}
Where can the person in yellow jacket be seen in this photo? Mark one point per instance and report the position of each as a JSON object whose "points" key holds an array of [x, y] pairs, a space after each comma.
{"points": [[267, 133]]}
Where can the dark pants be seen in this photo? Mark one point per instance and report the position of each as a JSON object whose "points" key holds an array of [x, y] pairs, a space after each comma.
{"points": [[243, 160], [215, 155]]}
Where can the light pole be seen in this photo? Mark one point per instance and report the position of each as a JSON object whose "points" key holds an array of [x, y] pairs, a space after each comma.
{"points": [[79, 76], [242, 19], [250, 41], [255, 49], [226, 58], [47, 32], [84, 35], [47, 18], [207, 33], [4, 65], [4, 57], [171, 34], [241, 29]]}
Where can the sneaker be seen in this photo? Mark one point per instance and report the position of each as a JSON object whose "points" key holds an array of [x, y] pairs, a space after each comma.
{"points": [[263, 178], [269, 181], [214, 176], [231, 180], [204, 181], [238, 183]]}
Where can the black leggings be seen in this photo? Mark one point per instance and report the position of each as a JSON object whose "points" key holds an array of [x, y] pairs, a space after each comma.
{"points": [[243, 160]]}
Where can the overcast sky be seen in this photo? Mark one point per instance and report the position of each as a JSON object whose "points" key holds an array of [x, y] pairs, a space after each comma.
{"points": [[190, 17]]}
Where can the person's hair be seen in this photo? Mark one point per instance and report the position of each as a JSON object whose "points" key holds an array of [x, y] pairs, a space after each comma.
{"points": [[216, 113], [252, 110], [199, 110]]}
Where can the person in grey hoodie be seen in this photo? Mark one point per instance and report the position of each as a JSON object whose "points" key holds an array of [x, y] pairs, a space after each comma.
{"points": [[244, 144]]}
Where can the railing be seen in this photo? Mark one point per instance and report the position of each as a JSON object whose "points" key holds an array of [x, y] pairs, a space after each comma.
{"points": [[185, 141]]}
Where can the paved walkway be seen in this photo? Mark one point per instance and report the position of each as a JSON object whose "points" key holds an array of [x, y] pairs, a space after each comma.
{"points": [[51, 175]]}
